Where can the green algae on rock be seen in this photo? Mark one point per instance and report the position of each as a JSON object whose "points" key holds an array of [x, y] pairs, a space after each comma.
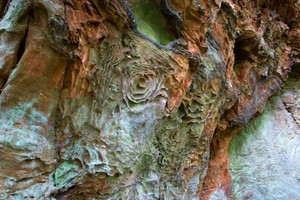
{"points": [[151, 21]]}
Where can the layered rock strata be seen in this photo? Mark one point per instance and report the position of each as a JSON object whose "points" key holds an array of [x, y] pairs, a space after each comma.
{"points": [[111, 100]]}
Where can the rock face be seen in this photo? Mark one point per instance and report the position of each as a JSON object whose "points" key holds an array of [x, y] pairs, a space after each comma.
{"points": [[140, 99], [264, 156]]}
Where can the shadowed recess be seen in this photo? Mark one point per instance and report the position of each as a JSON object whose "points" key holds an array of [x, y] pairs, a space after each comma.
{"points": [[151, 21], [3, 5]]}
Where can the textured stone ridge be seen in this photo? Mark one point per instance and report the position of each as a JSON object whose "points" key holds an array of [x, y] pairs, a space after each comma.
{"points": [[101, 100]]}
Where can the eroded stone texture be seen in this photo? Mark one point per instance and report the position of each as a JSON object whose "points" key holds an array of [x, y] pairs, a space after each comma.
{"points": [[98, 102], [264, 156]]}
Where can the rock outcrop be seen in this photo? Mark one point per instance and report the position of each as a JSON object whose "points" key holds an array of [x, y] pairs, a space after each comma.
{"points": [[264, 156], [127, 99]]}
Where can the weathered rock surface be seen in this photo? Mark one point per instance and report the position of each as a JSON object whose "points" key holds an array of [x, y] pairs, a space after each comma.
{"points": [[264, 156], [139, 99]]}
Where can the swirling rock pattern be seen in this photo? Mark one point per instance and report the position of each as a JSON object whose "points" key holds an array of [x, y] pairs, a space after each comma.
{"points": [[95, 104]]}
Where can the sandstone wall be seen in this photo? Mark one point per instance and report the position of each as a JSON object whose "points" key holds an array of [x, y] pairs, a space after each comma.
{"points": [[135, 99]]}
